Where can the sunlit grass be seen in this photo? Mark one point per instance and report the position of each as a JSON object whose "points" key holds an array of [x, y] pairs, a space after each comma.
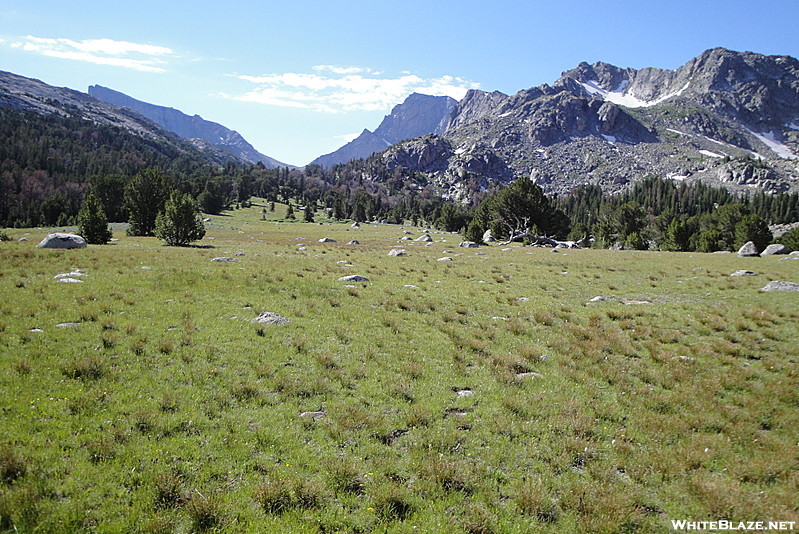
{"points": [[485, 394]]}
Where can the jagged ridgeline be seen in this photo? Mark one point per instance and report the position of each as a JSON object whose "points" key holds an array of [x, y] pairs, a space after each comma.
{"points": [[725, 119]]}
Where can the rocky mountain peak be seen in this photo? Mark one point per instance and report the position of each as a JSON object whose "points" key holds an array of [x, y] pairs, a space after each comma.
{"points": [[418, 115]]}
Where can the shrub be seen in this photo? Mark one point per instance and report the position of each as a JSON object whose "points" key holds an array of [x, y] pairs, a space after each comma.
{"points": [[92, 222], [180, 223], [791, 239]]}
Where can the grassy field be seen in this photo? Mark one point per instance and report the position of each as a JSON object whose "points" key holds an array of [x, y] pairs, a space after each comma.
{"points": [[484, 394]]}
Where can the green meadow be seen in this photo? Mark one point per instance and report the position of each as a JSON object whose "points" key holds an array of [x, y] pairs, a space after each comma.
{"points": [[489, 393]]}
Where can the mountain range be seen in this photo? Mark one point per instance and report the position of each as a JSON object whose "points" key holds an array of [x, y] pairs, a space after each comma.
{"points": [[188, 126], [418, 115], [725, 117]]}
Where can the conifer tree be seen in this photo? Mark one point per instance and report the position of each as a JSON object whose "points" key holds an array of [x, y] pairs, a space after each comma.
{"points": [[145, 196], [92, 222], [180, 223]]}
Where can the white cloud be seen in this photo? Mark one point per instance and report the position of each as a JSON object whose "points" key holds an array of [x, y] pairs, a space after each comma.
{"points": [[333, 89], [141, 57]]}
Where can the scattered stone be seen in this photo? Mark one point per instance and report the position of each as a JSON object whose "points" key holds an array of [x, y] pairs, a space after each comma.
{"points": [[270, 318], [780, 286], [529, 374], [397, 252], [468, 244], [327, 240], [313, 415], [445, 258], [77, 273], [523, 299], [629, 302], [506, 249], [354, 242], [59, 240], [406, 238], [207, 219], [223, 259], [353, 278], [145, 268], [554, 250], [425, 238], [411, 286], [23, 239], [748, 250], [67, 325], [465, 392], [722, 252], [355, 225], [794, 253], [406, 232], [744, 272], [36, 330], [69, 281], [239, 254], [599, 299], [786, 258], [685, 358], [774, 249]]}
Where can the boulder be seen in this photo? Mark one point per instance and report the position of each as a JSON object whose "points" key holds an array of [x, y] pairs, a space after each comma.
{"points": [[780, 286], [353, 278], [353, 242], [748, 250], [355, 225], [59, 240], [468, 244], [270, 318], [774, 249], [425, 238], [744, 272], [488, 236], [327, 240], [223, 259], [397, 252]]}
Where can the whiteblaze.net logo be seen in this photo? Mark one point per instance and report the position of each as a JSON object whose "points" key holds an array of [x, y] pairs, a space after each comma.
{"points": [[723, 524]]}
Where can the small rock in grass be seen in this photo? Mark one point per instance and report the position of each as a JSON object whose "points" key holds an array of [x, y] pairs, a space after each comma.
{"points": [[397, 252], [465, 392], [599, 298], [59, 240], [744, 272], [327, 240], [353, 278], [774, 249], [36, 330], [70, 281], [353, 242], [780, 286], [529, 374], [223, 259], [445, 258], [748, 250], [313, 415], [270, 318], [67, 325]]}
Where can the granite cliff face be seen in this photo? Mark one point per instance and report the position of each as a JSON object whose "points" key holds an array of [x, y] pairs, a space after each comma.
{"points": [[725, 117], [418, 115], [187, 126]]}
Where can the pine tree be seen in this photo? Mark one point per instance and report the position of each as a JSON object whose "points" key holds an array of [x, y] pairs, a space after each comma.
{"points": [[180, 223], [308, 217], [92, 222], [145, 196], [290, 212]]}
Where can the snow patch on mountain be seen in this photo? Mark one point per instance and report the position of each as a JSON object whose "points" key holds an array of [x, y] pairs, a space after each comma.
{"points": [[619, 97], [770, 140]]}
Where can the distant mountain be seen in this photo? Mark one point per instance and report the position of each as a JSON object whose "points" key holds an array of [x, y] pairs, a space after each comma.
{"points": [[187, 126], [418, 115], [725, 117]]}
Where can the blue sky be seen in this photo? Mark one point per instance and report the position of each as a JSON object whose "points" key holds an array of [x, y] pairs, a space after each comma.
{"points": [[299, 78]]}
